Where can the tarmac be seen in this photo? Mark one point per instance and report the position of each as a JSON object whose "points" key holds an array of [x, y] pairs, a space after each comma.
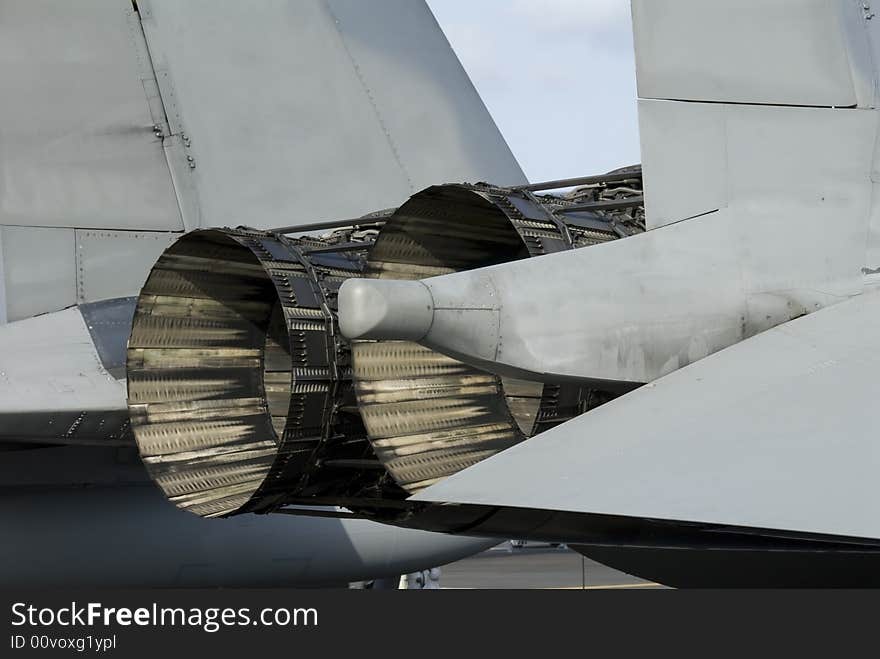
{"points": [[536, 566]]}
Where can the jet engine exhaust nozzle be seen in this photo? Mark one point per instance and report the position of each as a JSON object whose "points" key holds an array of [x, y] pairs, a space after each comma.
{"points": [[245, 395]]}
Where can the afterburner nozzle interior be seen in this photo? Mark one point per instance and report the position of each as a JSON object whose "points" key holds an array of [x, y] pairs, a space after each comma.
{"points": [[233, 376], [195, 374]]}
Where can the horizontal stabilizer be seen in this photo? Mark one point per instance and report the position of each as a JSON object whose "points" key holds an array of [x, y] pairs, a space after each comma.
{"points": [[777, 432], [56, 386]]}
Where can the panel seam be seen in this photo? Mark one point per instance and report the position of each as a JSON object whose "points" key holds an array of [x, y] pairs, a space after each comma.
{"points": [[360, 76]]}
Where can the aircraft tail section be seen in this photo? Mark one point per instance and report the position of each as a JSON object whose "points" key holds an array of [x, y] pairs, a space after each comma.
{"points": [[279, 111], [742, 109], [152, 118]]}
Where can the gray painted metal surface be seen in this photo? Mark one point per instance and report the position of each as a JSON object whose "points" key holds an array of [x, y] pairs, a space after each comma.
{"points": [[114, 264], [346, 106], [50, 364], [872, 253], [109, 324], [2, 284], [179, 549], [39, 270], [774, 165], [121, 531], [76, 127], [785, 52], [434, 118], [685, 145], [393, 309], [777, 432]]}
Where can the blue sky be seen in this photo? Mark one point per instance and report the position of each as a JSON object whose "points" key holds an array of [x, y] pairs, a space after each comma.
{"points": [[558, 76]]}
